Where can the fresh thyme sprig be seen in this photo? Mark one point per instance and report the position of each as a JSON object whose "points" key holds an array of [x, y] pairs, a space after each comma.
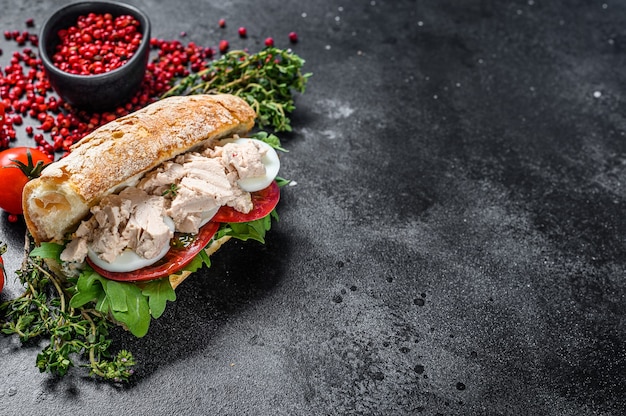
{"points": [[44, 310], [266, 80]]}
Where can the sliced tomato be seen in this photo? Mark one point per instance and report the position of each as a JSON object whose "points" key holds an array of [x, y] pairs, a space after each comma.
{"points": [[174, 260], [264, 201]]}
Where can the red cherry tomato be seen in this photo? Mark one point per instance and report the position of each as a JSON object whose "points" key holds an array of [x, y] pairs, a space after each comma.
{"points": [[264, 201], [13, 178], [174, 260]]}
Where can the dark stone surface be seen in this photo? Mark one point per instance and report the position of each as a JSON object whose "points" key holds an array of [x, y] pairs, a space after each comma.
{"points": [[455, 243]]}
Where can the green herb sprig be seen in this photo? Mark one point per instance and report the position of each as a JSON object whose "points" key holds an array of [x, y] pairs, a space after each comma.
{"points": [[266, 80], [44, 310]]}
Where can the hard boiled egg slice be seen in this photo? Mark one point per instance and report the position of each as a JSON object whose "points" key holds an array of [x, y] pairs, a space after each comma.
{"points": [[129, 260], [206, 216], [271, 162]]}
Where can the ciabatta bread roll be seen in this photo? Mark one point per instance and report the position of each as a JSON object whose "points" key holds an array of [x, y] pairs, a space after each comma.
{"points": [[117, 154]]}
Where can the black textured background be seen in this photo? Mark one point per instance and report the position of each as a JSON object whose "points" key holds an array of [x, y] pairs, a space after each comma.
{"points": [[455, 243]]}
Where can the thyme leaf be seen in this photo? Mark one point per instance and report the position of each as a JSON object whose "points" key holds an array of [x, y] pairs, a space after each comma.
{"points": [[44, 311], [266, 80]]}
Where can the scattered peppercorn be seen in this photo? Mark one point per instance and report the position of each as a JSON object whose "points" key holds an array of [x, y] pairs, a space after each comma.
{"points": [[223, 46], [269, 42], [293, 37], [222, 23], [242, 32]]}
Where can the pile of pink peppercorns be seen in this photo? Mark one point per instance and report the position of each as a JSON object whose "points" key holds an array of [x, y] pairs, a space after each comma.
{"points": [[27, 98], [98, 43]]}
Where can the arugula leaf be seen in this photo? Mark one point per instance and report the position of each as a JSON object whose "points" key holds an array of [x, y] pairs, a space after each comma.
{"points": [[282, 181], [86, 291], [270, 139], [206, 259], [137, 314], [125, 302], [158, 293], [48, 251], [201, 259], [252, 230], [117, 294]]}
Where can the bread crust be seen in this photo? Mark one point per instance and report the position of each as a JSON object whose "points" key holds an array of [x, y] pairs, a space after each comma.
{"points": [[119, 153]]}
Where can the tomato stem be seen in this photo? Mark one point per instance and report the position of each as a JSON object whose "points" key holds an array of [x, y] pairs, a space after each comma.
{"points": [[30, 170]]}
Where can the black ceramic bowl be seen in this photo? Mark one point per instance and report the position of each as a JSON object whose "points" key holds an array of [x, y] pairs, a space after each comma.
{"points": [[97, 92]]}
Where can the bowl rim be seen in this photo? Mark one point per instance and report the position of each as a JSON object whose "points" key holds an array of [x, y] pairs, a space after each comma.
{"points": [[52, 19]]}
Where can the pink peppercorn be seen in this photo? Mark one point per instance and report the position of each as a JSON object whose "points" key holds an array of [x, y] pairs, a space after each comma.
{"points": [[84, 50], [223, 46]]}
